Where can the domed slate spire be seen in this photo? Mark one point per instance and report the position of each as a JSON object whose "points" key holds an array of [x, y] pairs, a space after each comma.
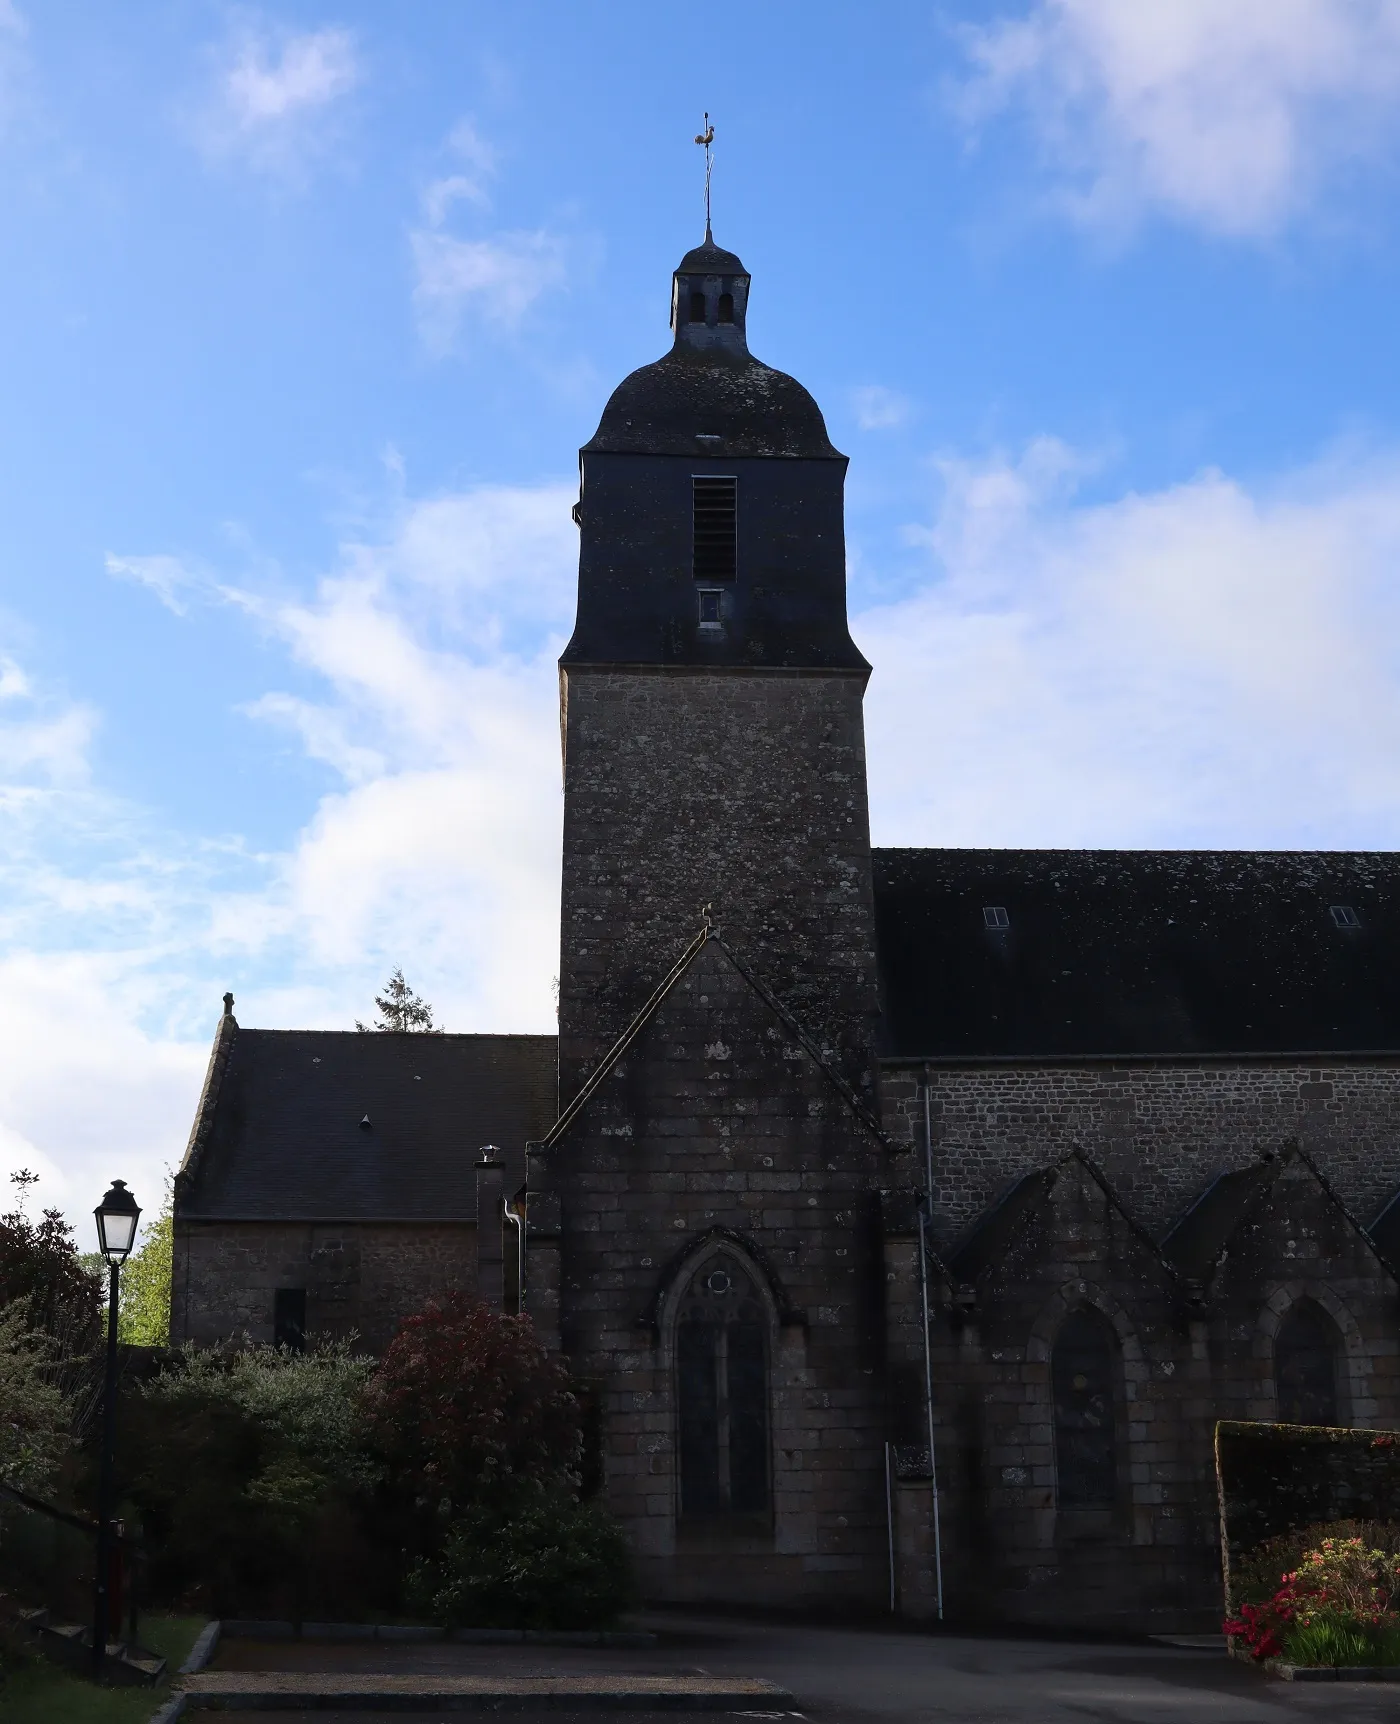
{"points": [[709, 395], [710, 503]]}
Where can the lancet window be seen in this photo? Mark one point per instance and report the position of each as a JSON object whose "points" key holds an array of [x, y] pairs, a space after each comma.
{"points": [[1084, 1377], [1305, 1366], [722, 1376]]}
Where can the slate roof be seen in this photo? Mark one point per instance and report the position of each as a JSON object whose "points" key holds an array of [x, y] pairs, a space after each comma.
{"points": [[713, 399], [281, 1137], [727, 394], [1136, 952], [710, 259]]}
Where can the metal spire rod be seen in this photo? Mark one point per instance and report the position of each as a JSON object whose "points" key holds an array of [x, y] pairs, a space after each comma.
{"points": [[707, 138]]}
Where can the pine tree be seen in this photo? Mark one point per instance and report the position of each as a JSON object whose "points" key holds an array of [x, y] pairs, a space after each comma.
{"points": [[401, 1009]]}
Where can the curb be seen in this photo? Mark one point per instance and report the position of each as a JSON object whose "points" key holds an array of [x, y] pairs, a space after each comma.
{"points": [[1332, 1672], [252, 1629], [173, 1709], [203, 1649]]}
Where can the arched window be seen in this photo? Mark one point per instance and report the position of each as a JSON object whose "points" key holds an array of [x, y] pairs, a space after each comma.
{"points": [[722, 1392], [1084, 1379], [697, 306], [1305, 1366], [726, 308]]}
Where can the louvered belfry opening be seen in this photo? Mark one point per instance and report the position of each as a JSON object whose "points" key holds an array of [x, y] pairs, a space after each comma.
{"points": [[716, 528]]}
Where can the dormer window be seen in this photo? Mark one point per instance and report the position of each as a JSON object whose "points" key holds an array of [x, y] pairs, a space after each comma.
{"points": [[726, 308], [716, 523], [697, 307]]}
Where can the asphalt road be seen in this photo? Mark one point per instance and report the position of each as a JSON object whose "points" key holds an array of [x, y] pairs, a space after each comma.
{"points": [[857, 1675]]}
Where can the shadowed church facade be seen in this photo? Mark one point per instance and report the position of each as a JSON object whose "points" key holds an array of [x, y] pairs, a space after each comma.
{"points": [[1059, 1155]]}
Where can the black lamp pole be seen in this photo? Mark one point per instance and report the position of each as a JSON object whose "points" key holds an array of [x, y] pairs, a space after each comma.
{"points": [[117, 1215]]}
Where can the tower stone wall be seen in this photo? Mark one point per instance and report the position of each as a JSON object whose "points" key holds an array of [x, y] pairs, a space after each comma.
{"points": [[743, 791]]}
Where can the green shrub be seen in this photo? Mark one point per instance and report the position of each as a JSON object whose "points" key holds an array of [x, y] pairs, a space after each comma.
{"points": [[1328, 1641], [243, 1464], [554, 1563]]}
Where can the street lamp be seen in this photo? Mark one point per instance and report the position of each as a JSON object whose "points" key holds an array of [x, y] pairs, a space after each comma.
{"points": [[117, 1215]]}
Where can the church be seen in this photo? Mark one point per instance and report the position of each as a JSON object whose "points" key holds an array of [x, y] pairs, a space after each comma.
{"points": [[908, 1217]]}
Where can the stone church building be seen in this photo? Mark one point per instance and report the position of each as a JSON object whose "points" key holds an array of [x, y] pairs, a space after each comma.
{"points": [[1056, 1157]]}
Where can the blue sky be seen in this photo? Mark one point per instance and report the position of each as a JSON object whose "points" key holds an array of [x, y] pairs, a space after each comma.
{"points": [[305, 310]]}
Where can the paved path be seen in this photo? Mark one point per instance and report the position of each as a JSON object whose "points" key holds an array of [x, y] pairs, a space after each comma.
{"points": [[869, 1676]]}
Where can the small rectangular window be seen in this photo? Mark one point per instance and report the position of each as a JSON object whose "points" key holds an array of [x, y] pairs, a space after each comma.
{"points": [[716, 529], [995, 916], [289, 1318], [711, 616], [1345, 917]]}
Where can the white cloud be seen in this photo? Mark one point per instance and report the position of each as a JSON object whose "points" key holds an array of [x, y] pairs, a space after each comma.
{"points": [[437, 847], [476, 163], [275, 95], [1199, 665], [169, 578], [1230, 116], [878, 408], [494, 280]]}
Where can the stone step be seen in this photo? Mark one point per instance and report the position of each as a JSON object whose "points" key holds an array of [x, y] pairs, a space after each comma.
{"points": [[287, 1690]]}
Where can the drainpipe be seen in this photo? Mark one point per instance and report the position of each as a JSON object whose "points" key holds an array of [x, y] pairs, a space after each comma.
{"points": [[889, 1525], [925, 1216], [517, 1221]]}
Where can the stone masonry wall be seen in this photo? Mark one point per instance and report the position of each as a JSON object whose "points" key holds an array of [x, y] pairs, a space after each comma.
{"points": [[718, 1126], [360, 1278], [1188, 1355], [1160, 1130], [741, 790]]}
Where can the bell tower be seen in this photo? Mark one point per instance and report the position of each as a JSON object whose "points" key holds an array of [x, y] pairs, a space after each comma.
{"points": [[711, 693], [703, 1215]]}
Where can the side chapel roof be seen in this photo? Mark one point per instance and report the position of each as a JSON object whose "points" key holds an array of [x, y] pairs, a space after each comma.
{"points": [[282, 1131]]}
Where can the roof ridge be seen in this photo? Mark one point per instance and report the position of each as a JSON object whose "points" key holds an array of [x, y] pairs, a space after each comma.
{"points": [[609, 1060], [224, 1037], [1329, 1190], [771, 1000], [624, 1041]]}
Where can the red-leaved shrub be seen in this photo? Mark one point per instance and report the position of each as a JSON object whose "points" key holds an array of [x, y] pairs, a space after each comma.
{"points": [[469, 1407]]}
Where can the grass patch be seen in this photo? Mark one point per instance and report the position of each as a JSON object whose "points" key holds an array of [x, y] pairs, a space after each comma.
{"points": [[34, 1689]]}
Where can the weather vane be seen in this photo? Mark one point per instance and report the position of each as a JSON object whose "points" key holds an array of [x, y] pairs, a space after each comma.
{"points": [[707, 138]]}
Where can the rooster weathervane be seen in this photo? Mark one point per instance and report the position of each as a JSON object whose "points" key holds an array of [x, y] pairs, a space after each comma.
{"points": [[707, 138]]}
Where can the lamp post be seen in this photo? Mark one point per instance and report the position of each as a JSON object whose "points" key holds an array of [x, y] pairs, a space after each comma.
{"points": [[117, 1215]]}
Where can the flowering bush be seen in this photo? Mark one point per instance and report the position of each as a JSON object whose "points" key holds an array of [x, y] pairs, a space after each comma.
{"points": [[1339, 1605]]}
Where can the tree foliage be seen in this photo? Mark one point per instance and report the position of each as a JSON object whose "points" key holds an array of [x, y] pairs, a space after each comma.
{"points": [[468, 1405], [144, 1319], [401, 1009], [40, 1264], [36, 1416]]}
